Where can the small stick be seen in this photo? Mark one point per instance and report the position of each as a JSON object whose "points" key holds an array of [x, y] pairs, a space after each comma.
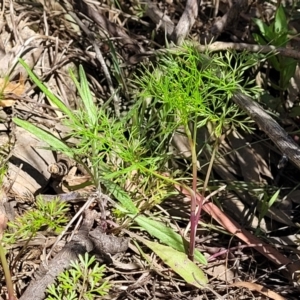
{"points": [[267, 124]]}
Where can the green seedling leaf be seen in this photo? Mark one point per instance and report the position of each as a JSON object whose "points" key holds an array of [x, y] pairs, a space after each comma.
{"points": [[180, 264], [281, 40], [49, 95], [85, 95], [266, 205], [45, 136], [167, 236], [275, 63], [288, 71], [265, 30], [272, 57], [121, 196], [273, 60], [273, 198], [259, 39], [280, 24]]}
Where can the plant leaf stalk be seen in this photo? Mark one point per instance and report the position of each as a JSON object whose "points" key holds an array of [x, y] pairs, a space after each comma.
{"points": [[196, 206], [7, 274], [193, 217]]}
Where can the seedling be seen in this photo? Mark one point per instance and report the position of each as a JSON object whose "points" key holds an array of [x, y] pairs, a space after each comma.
{"points": [[266, 204], [189, 91], [193, 90], [49, 215], [277, 34], [84, 280]]}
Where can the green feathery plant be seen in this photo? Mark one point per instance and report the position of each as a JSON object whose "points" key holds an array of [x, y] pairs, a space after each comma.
{"points": [[194, 90], [48, 215], [110, 145], [190, 91], [83, 281], [116, 154]]}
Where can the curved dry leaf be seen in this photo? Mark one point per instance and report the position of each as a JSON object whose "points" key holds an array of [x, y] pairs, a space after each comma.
{"points": [[7, 102], [28, 165], [262, 154], [7, 88], [221, 272], [259, 288], [280, 216], [235, 208]]}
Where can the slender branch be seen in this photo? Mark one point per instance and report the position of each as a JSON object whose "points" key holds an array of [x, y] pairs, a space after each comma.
{"points": [[221, 46], [267, 124], [186, 21]]}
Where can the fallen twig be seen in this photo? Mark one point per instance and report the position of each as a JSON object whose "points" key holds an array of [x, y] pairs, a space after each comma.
{"points": [[186, 21], [231, 18], [158, 17], [221, 46], [266, 123]]}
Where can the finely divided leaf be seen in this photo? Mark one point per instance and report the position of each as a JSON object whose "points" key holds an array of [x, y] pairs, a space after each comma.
{"points": [[121, 196]]}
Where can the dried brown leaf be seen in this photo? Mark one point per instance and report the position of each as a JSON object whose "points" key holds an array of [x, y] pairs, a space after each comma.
{"points": [[259, 288], [10, 87]]}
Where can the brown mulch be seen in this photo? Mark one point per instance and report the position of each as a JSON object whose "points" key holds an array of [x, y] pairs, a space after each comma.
{"points": [[53, 37]]}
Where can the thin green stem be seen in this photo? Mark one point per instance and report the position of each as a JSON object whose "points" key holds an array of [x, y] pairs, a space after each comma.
{"points": [[193, 220], [198, 214], [23, 249], [95, 166], [84, 278], [209, 170], [7, 274]]}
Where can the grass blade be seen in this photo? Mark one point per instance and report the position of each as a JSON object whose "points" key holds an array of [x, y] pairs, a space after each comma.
{"points": [[45, 136], [85, 95], [49, 95]]}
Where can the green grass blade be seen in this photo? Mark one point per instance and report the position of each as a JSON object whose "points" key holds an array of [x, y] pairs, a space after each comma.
{"points": [[273, 198], [45, 90], [43, 135], [85, 95], [87, 99], [166, 235]]}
